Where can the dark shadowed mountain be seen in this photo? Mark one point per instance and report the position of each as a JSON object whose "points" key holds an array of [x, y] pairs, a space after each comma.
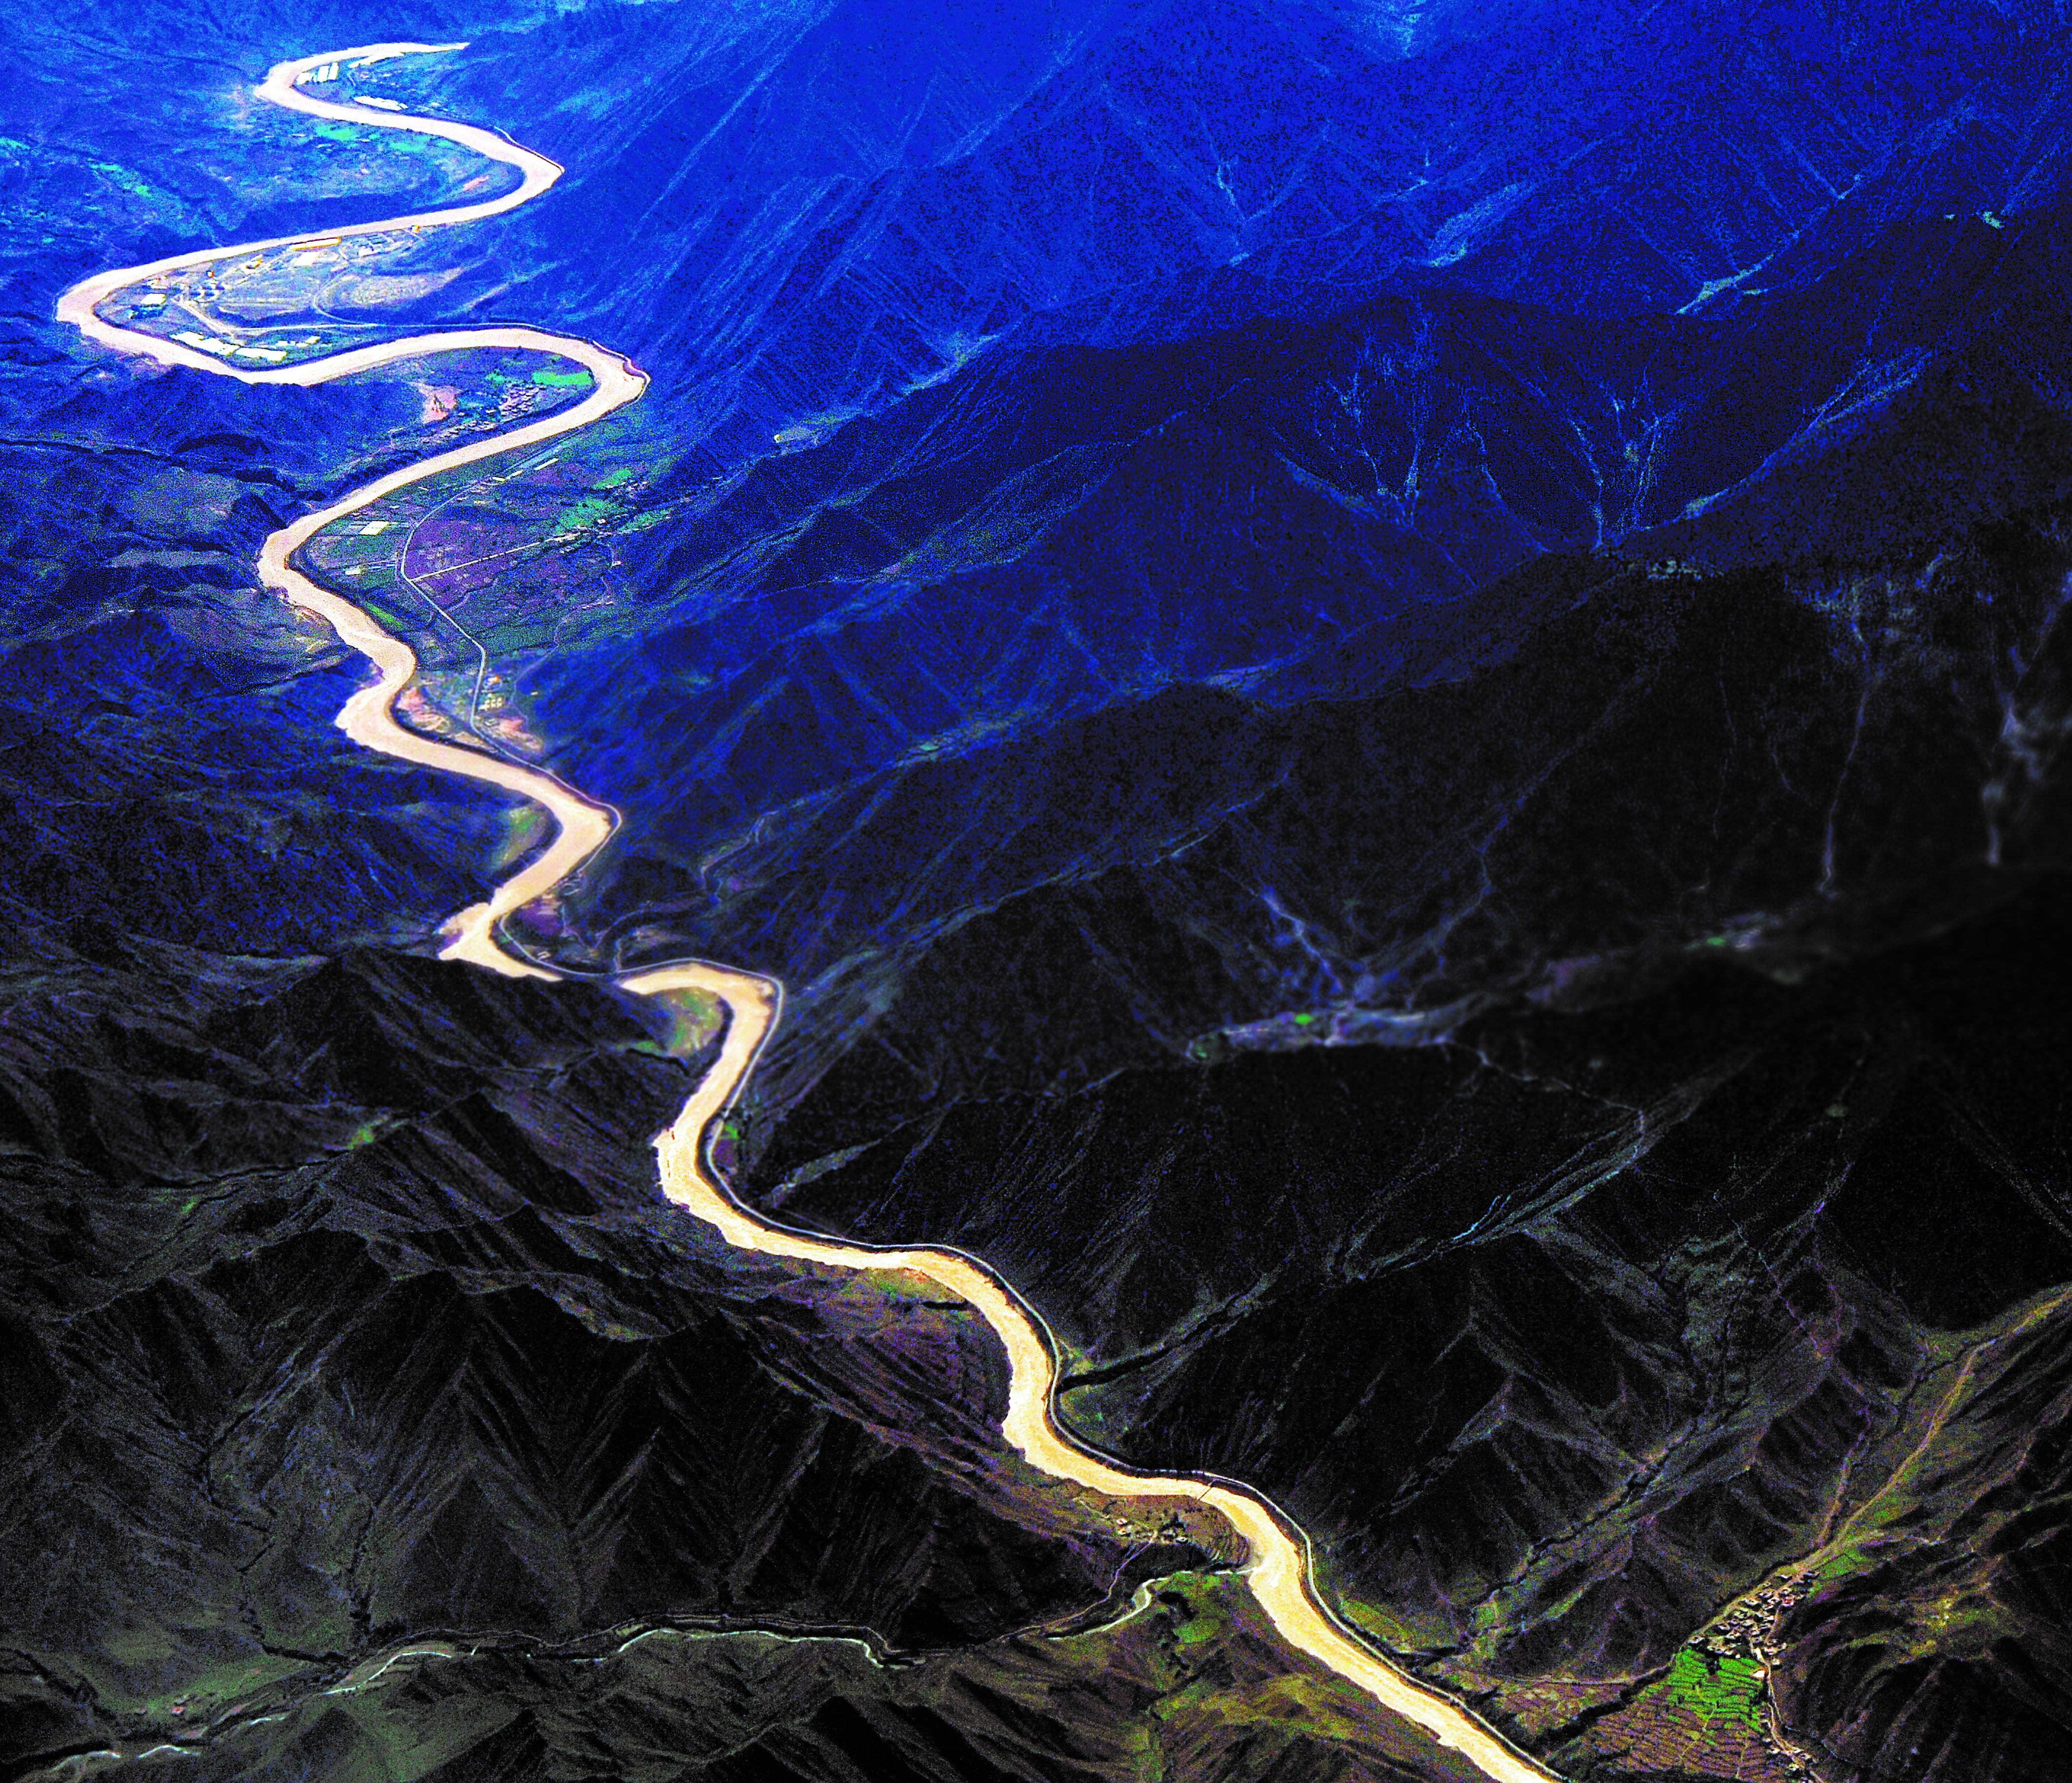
{"points": [[1390, 684]]}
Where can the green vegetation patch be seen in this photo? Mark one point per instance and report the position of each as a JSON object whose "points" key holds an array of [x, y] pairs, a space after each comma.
{"points": [[591, 510], [1390, 1628], [525, 827], [1716, 1687], [1856, 1554], [1198, 1606], [122, 176], [562, 381], [695, 1016], [901, 1285], [362, 1733], [1313, 1707], [200, 1690]]}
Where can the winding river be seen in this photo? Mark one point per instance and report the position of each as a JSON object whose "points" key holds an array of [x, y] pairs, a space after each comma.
{"points": [[1279, 1566]]}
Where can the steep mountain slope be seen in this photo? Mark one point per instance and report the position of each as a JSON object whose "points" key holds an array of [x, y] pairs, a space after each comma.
{"points": [[1279, 512], [1579, 1327], [341, 1316], [1782, 763], [1390, 684], [828, 244]]}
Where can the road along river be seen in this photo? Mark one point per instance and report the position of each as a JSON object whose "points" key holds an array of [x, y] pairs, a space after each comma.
{"points": [[1279, 1568]]}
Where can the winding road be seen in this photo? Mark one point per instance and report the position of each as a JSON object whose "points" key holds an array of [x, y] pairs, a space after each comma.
{"points": [[1279, 1567]]}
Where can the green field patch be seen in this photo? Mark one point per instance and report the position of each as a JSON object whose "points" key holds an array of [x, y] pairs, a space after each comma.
{"points": [[1854, 1556], [519, 635], [900, 1285], [695, 1017], [591, 510], [1387, 1627], [1197, 1606], [340, 133], [142, 1645], [1716, 1687], [226, 1682], [562, 381], [1315, 1706], [525, 827], [122, 176]]}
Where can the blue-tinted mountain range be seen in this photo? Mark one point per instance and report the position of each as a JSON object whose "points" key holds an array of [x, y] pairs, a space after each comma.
{"points": [[1389, 684]]}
